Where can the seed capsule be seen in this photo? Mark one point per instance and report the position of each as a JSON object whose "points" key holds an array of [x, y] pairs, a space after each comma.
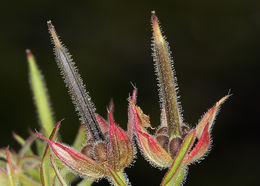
{"points": [[184, 130], [174, 145], [166, 79], [73, 81], [100, 151], [162, 130], [88, 150], [163, 140]]}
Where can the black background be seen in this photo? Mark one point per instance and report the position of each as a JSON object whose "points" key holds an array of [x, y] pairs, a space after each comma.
{"points": [[215, 46]]}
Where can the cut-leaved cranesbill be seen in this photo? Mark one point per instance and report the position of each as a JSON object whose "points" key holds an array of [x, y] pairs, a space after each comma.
{"points": [[101, 148], [175, 144], [108, 149]]}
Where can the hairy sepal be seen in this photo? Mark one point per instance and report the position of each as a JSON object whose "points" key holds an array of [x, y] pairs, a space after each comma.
{"points": [[45, 171], [150, 148], [200, 148], [120, 151], [116, 178], [209, 117], [75, 160]]}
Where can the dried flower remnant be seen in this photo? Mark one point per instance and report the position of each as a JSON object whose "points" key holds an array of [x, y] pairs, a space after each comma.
{"points": [[169, 146]]}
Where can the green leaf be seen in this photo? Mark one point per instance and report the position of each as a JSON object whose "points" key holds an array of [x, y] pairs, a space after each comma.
{"points": [[10, 170], [40, 147], [33, 172], [25, 180], [28, 159], [45, 166], [3, 177], [13, 157], [26, 148], [19, 139], [66, 174], [175, 171], [26, 144], [40, 95], [57, 172], [45, 163]]}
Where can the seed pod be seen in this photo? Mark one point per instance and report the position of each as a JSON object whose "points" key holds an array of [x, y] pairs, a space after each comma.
{"points": [[120, 150], [87, 150], [174, 145], [162, 130], [73, 81], [166, 79], [163, 140], [100, 151], [184, 130]]}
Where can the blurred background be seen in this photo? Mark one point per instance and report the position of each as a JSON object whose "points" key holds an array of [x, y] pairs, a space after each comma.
{"points": [[215, 47]]}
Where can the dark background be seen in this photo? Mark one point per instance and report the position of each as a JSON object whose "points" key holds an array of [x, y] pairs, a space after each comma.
{"points": [[215, 46]]}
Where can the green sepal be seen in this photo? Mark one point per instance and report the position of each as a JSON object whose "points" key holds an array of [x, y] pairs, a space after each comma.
{"points": [[174, 174], [25, 180], [10, 170], [3, 177], [57, 172], [116, 177], [78, 142], [45, 172]]}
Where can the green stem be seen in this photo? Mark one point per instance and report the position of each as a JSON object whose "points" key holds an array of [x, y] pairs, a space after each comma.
{"points": [[27, 181], [117, 178]]}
